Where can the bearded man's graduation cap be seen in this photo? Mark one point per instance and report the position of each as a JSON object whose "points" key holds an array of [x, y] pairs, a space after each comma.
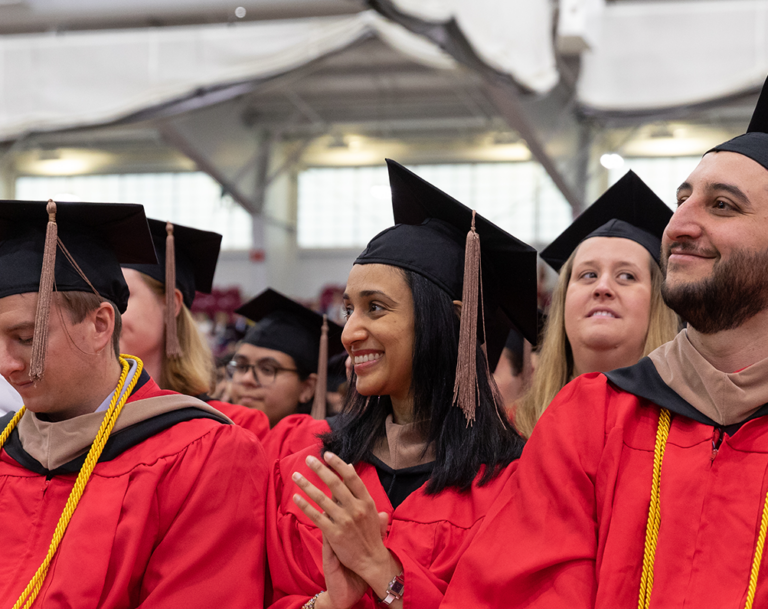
{"points": [[754, 143]]}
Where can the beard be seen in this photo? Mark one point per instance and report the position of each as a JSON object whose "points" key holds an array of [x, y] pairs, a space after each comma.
{"points": [[736, 291]]}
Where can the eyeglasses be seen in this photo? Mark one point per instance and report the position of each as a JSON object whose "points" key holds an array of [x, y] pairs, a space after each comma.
{"points": [[264, 371]]}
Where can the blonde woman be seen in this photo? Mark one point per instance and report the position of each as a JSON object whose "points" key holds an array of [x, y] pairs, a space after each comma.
{"points": [[606, 311], [159, 328]]}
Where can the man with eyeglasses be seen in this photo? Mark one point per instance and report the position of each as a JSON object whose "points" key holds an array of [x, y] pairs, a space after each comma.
{"points": [[275, 366]]}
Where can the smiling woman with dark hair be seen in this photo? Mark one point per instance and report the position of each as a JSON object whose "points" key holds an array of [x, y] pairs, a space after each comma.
{"points": [[422, 447]]}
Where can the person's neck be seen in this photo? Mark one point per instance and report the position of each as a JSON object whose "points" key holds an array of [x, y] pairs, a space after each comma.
{"points": [[153, 364], [733, 350], [102, 381], [402, 409], [602, 360]]}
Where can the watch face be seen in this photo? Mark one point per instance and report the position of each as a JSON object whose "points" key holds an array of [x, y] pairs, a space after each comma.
{"points": [[397, 587]]}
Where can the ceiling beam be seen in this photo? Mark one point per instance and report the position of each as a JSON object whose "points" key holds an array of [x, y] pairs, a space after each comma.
{"points": [[559, 144]]}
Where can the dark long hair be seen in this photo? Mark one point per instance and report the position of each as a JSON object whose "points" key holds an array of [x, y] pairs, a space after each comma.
{"points": [[460, 451]]}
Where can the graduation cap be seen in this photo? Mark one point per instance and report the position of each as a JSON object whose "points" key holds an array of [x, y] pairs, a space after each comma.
{"points": [[337, 371], [516, 344], [627, 210], [431, 238], [754, 143], [186, 255], [195, 251], [291, 328], [68, 247]]}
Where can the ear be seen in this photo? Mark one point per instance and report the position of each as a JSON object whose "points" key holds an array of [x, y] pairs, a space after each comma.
{"points": [[308, 388], [457, 308], [103, 320], [178, 301]]}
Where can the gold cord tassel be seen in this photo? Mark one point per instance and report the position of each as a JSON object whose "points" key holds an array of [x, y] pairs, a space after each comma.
{"points": [[465, 388], [654, 512], [172, 346], [321, 388], [44, 295]]}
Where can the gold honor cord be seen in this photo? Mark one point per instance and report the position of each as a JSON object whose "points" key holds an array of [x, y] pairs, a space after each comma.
{"points": [[654, 513], [654, 522], [30, 593]]}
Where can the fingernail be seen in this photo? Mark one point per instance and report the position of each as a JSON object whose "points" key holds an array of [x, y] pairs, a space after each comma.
{"points": [[296, 476], [312, 461], [296, 498], [328, 454]]}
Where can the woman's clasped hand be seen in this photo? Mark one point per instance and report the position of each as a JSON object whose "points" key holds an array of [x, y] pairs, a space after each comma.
{"points": [[354, 555]]}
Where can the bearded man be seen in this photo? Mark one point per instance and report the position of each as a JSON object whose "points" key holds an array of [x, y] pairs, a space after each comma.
{"points": [[648, 486]]}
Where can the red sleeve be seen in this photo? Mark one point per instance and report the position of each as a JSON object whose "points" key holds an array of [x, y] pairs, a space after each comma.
{"points": [[293, 434], [538, 544], [210, 513], [422, 589]]}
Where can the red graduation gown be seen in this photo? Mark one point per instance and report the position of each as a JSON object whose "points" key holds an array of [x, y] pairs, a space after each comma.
{"points": [[175, 521], [252, 419], [569, 529], [292, 434], [427, 533]]}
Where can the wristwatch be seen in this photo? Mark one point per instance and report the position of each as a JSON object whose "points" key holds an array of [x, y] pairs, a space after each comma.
{"points": [[394, 590]]}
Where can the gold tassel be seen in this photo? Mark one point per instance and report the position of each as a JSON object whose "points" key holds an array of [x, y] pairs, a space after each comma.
{"points": [[44, 295], [321, 387], [465, 388], [172, 346]]}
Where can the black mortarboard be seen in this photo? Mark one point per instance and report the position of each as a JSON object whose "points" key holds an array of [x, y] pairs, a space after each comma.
{"points": [[754, 143], [628, 210], [68, 247], [99, 236], [287, 326], [430, 237], [196, 252], [337, 371], [516, 344]]}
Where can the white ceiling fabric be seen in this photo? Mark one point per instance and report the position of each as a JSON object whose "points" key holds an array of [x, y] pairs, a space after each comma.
{"points": [[512, 36], [653, 55], [55, 81]]}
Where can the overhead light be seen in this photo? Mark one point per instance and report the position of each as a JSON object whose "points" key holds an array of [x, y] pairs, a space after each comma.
{"points": [[240, 12], [611, 160], [355, 143], [63, 167], [62, 161]]}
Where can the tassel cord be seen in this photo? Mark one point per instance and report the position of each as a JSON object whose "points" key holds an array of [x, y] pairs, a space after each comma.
{"points": [[172, 346], [465, 388], [44, 296], [321, 387]]}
